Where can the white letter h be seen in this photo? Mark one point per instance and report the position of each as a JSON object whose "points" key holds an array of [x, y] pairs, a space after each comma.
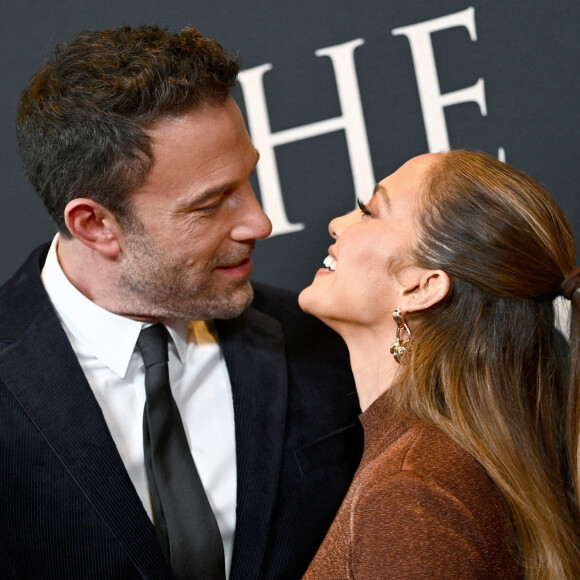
{"points": [[351, 121]]}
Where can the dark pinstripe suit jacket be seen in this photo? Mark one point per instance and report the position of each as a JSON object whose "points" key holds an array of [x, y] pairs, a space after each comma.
{"points": [[67, 506]]}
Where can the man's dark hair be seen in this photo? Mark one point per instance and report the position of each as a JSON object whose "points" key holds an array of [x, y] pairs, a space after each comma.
{"points": [[82, 120]]}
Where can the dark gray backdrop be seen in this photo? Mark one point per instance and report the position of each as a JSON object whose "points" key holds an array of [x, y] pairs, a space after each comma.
{"points": [[525, 52]]}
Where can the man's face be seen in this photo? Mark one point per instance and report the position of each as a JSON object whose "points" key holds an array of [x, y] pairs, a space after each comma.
{"points": [[197, 220]]}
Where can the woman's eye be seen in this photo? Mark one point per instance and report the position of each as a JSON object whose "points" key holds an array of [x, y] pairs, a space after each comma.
{"points": [[363, 207]]}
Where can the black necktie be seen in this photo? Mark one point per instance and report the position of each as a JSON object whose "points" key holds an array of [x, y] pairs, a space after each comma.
{"points": [[184, 522]]}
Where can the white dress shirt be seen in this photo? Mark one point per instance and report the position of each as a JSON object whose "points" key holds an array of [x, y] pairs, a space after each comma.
{"points": [[104, 344]]}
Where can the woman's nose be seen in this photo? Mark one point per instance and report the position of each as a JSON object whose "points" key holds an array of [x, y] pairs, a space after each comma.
{"points": [[339, 224]]}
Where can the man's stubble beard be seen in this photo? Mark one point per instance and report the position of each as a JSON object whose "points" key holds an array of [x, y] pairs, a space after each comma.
{"points": [[157, 287]]}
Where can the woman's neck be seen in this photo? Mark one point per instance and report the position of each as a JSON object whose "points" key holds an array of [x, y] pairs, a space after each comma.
{"points": [[373, 366]]}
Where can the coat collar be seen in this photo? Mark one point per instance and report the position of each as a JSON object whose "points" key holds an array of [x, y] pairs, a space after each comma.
{"points": [[39, 367], [254, 351]]}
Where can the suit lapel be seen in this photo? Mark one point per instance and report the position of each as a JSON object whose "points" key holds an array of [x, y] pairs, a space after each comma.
{"points": [[253, 348], [42, 372]]}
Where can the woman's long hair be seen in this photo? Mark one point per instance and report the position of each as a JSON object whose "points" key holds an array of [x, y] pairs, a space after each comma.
{"points": [[488, 366]]}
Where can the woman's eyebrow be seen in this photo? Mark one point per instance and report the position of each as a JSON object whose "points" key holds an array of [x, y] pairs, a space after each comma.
{"points": [[382, 191]]}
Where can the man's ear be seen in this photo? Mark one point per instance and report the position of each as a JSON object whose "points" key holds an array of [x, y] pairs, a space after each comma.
{"points": [[94, 225], [423, 289]]}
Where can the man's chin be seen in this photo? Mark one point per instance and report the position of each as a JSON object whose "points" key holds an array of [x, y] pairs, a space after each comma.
{"points": [[234, 305], [224, 303]]}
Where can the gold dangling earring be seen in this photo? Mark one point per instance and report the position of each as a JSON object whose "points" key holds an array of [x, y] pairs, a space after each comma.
{"points": [[400, 347]]}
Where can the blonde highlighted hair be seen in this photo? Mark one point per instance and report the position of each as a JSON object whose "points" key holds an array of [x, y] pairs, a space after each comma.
{"points": [[488, 366]]}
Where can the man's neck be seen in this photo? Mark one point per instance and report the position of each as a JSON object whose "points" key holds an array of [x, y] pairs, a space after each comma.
{"points": [[89, 271]]}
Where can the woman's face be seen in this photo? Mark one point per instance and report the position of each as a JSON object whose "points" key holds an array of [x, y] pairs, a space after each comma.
{"points": [[370, 263]]}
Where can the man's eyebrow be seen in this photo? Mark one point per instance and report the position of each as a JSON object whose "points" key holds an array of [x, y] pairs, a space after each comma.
{"points": [[208, 194]]}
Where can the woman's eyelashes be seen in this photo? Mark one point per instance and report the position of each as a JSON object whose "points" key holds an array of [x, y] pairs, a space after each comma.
{"points": [[363, 207]]}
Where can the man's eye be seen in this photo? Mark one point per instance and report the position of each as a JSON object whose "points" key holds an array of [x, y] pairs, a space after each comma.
{"points": [[211, 205]]}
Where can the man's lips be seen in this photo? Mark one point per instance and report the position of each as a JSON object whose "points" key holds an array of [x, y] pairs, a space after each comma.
{"points": [[242, 268]]}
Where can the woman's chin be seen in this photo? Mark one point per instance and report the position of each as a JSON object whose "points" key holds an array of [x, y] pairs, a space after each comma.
{"points": [[304, 299], [312, 300], [315, 302]]}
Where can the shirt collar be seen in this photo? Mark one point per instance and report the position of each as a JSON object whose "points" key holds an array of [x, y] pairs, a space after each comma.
{"points": [[108, 336]]}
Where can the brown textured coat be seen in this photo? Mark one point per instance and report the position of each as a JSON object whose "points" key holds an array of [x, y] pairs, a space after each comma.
{"points": [[418, 507]]}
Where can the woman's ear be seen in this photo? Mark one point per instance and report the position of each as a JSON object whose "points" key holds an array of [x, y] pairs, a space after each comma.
{"points": [[94, 226], [422, 289]]}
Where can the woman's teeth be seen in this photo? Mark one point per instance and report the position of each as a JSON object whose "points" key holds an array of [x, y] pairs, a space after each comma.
{"points": [[329, 263]]}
